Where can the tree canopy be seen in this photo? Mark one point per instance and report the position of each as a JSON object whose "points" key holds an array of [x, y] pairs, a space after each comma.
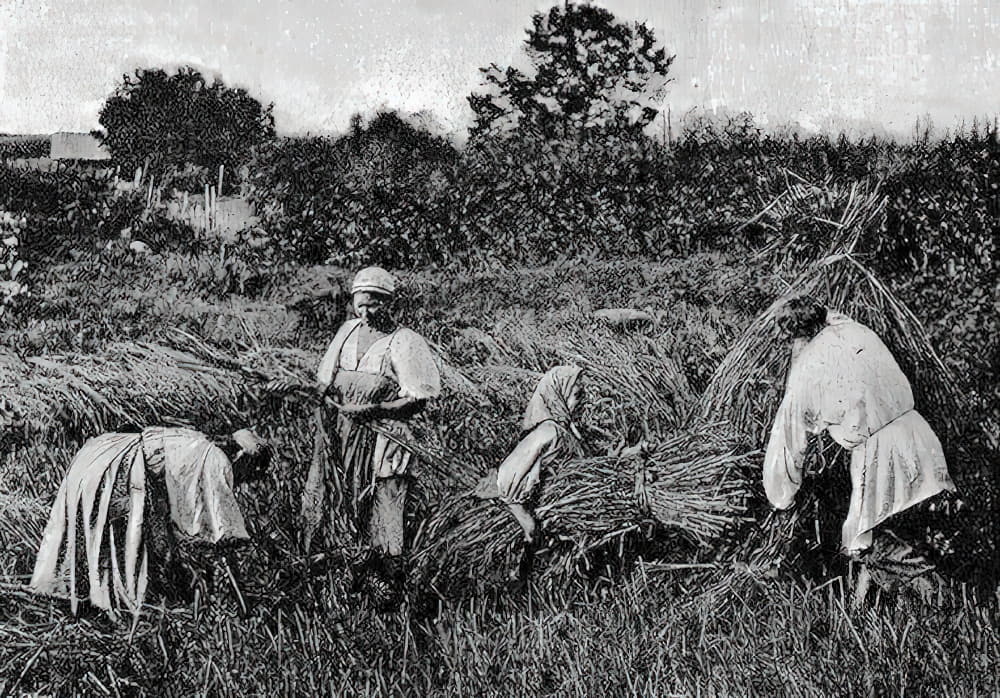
{"points": [[591, 73], [182, 118]]}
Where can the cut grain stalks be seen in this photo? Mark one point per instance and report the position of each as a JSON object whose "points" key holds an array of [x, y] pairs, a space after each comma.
{"points": [[688, 485], [748, 385]]}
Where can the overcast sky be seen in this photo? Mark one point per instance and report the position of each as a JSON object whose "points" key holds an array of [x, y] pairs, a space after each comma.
{"points": [[823, 63]]}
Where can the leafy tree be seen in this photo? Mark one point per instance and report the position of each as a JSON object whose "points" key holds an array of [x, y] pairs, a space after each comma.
{"points": [[181, 119], [592, 73], [391, 150], [378, 194]]}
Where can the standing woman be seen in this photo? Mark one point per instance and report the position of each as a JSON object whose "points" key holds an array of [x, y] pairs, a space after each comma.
{"points": [[377, 376]]}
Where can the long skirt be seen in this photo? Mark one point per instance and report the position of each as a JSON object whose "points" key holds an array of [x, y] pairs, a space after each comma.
{"points": [[388, 509], [341, 479], [93, 547]]}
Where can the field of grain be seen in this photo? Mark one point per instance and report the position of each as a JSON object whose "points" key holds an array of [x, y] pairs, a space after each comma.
{"points": [[182, 332]]}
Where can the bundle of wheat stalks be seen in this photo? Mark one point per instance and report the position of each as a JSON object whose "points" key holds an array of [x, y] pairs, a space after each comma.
{"points": [[82, 395], [747, 387], [690, 484]]}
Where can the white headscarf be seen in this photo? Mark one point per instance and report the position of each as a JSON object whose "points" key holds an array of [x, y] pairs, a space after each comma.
{"points": [[374, 280], [550, 401]]}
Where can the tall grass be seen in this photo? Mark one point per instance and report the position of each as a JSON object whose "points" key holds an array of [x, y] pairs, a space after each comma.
{"points": [[663, 629]]}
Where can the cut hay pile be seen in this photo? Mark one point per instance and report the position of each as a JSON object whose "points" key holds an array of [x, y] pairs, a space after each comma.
{"points": [[636, 391], [76, 396], [747, 388], [690, 486]]}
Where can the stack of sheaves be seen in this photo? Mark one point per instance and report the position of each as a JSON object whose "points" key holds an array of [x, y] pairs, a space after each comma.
{"points": [[747, 388], [690, 484]]}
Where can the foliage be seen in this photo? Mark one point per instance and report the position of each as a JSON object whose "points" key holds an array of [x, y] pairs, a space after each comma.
{"points": [[16, 147], [172, 120], [630, 218], [379, 194], [592, 74], [12, 286], [62, 209]]}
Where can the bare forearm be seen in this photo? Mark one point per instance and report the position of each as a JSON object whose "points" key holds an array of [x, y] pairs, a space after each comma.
{"points": [[400, 408]]}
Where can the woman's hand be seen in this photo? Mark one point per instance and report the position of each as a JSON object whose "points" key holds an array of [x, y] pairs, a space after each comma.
{"points": [[621, 451], [359, 412]]}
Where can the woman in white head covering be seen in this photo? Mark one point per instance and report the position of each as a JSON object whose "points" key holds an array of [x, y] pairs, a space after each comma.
{"points": [[548, 434], [128, 499], [378, 375]]}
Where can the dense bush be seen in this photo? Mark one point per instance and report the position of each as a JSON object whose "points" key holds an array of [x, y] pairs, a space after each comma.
{"points": [[404, 198], [379, 194], [15, 147], [61, 208], [12, 267]]}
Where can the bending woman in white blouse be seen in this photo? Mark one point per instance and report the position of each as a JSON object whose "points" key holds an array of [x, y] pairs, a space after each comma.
{"points": [[845, 381], [548, 435]]}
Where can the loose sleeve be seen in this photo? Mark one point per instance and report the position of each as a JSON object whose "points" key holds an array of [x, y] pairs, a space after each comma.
{"points": [[785, 453], [519, 473], [331, 359], [415, 366], [787, 444]]}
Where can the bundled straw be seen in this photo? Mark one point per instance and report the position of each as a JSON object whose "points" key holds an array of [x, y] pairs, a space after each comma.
{"points": [[747, 388], [82, 395], [640, 389], [748, 385], [466, 546], [689, 484]]}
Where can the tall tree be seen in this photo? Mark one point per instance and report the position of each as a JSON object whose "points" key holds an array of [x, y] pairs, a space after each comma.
{"points": [[591, 73], [182, 118]]}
